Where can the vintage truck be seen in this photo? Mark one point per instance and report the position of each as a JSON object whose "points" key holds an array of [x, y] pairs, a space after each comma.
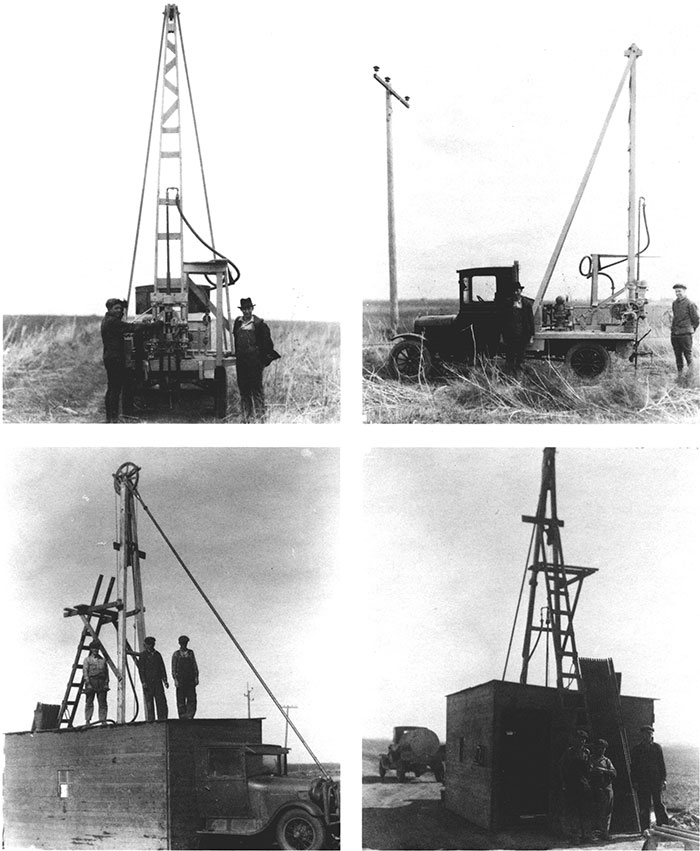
{"points": [[415, 750]]}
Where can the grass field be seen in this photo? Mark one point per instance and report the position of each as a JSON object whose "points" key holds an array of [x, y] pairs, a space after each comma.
{"points": [[53, 372], [546, 392]]}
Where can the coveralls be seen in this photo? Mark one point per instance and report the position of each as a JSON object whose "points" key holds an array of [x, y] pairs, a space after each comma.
{"points": [[185, 676], [95, 682], [114, 358], [602, 774], [153, 675], [648, 776]]}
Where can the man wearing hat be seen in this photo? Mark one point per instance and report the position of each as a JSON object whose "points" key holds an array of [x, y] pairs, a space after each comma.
{"points": [[95, 682], [113, 329], [153, 678], [576, 788], [518, 329], [648, 771], [254, 351], [186, 678], [684, 324]]}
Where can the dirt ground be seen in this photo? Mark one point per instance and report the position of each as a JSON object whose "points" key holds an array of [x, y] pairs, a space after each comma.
{"points": [[411, 815]]}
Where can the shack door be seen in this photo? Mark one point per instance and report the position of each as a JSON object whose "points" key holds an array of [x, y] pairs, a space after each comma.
{"points": [[222, 790], [524, 764]]}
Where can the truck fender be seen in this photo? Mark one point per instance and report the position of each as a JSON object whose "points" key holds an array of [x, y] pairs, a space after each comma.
{"points": [[419, 338], [307, 806]]}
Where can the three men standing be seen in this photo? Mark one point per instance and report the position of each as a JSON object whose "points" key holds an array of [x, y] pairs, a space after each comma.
{"points": [[186, 678], [683, 326]]}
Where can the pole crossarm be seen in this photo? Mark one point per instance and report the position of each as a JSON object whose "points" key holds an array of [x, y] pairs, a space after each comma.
{"points": [[385, 82]]}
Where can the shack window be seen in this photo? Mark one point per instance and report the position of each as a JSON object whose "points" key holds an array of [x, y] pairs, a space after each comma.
{"points": [[225, 762], [62, 785]]}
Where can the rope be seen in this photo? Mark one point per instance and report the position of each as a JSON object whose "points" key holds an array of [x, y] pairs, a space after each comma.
{"points": [[228, 632], [520, 597], [145, 168]]}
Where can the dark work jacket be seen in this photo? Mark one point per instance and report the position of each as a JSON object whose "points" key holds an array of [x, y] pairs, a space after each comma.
{"points": [[263, 341], [648, 765], [518, 324], [113, 331], [184, 668], [685, 317], [152, 668]]}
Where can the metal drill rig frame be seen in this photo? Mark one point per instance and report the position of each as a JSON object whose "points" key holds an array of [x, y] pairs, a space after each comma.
{"points": [[192, 342]]}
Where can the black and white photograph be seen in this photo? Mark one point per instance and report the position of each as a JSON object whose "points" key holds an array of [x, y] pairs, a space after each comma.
{"points": [[175, 673], [526, 641], [349, 425]]}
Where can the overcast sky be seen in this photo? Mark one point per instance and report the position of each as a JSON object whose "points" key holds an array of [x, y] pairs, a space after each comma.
{"points": [[507, 100], [446, 550], [257, 528]]}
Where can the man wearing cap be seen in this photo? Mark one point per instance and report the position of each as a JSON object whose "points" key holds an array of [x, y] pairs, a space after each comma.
{"points": [[113, 329], [575, 781], [153, 678], [648, 770], [95, 682], [601, 773], [186, 678], [518, 329], [684, 324], [254, 351]]}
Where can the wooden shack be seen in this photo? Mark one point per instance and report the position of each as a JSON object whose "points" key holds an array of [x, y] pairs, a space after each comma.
{"points": [[505, 742], [119, 786]]}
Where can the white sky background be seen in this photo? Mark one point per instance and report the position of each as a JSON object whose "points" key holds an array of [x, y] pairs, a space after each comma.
{"points": [[257, 528], [507, 101], [445, 549]]}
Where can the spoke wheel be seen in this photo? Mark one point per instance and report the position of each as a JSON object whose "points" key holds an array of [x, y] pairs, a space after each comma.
{"points": [[130, 473], [588, 360], [410, 360], [299, 830]]}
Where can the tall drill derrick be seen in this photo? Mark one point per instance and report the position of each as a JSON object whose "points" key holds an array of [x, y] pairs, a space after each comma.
{"points": [[562, 584]]}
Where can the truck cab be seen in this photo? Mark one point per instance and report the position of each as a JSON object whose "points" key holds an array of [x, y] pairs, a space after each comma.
{"points": [[244, 789]]}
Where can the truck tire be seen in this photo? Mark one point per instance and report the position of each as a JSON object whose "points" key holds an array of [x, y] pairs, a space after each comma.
{"points": [[410, 360], [401, 772], [297, 829], [588, 360], [220, 392]]}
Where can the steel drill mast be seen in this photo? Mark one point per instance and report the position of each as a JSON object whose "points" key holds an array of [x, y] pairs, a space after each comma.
{"points": [[562, 584]]}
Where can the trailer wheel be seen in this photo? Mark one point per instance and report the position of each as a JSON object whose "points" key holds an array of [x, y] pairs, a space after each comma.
{"points": [[220, 392], [588, 360], [297, 829], [411, 360]]}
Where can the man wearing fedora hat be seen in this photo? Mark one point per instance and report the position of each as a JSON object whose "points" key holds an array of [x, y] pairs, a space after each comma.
{"points": [[684, 324], [254, 351], [518, 329]]}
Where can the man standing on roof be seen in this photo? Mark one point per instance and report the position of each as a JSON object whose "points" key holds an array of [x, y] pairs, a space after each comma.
{"points": [[95, 682], [186, 678], [254, 351], [113, 329], [518, 329], [684, 324], [648, 770], [153, 678]]}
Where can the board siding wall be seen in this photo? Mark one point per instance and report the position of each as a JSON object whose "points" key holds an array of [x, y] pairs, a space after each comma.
{"points": [[116, 788]]}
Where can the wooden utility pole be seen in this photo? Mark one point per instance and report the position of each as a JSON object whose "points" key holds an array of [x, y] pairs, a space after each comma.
{"points": [[247, 696], [286, 708], [393, 289]]}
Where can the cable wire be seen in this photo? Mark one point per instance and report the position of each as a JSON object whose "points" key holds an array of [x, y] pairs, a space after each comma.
{"points": [[520, 597], [228, 631]]}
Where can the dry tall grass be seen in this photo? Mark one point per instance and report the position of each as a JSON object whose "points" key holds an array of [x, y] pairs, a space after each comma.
{"points": [[53, 372], [546, 393]]}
